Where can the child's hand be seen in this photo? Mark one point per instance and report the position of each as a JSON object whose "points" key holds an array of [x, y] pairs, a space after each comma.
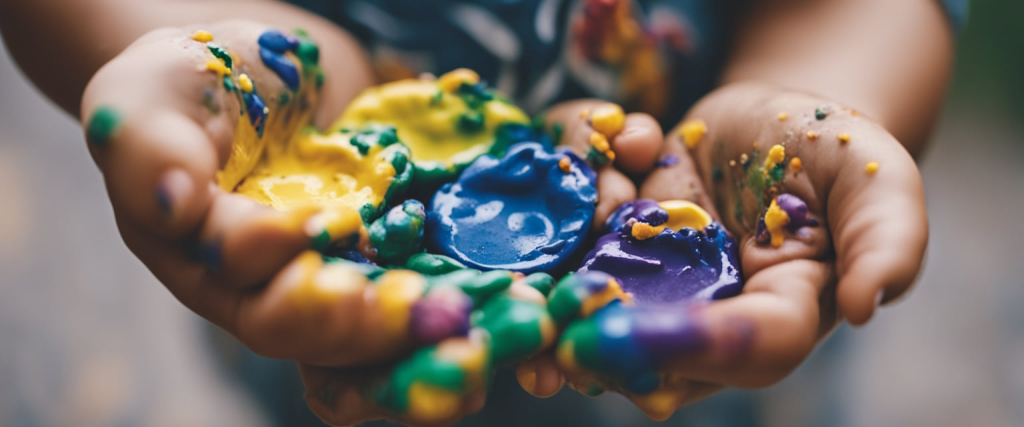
{"points": [[636, 147], [861, 187], [160, 126]]}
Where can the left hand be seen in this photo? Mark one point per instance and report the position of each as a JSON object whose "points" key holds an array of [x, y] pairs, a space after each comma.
{"points": [[866, 251]]}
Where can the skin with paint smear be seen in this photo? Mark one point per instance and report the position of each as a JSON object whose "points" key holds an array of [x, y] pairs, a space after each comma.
{"points": [[883, 83]]}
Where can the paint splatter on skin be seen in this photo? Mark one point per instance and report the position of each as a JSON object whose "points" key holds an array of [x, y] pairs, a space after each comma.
{"points": [[843, 138], [812, 135], [783, 116], [667, 161], [202, 36], [103, 125], [822, 112], [871, 168], [693, 132], [607, 121], [274, 47]]}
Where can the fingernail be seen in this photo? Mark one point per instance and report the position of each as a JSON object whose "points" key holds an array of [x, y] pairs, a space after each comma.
{"points": [[175, 186], [879, 297], [102, 125], [316, 229]]}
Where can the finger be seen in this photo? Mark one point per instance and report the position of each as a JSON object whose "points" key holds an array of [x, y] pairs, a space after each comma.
{"points": [[246, 243], [339, 396], [678, 178], [638, 145], [880, 228], [613, 189], [760, 336], [156, 156], [540, 375]]}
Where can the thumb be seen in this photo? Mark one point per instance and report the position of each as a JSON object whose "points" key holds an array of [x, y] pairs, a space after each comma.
{"points": [[880, 227]]}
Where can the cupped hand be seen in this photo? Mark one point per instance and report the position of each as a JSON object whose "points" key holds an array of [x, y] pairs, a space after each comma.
{"points": [[860, 244]]}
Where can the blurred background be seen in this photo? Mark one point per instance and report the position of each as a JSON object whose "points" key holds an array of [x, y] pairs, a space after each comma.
{"points": [[88, 337]]}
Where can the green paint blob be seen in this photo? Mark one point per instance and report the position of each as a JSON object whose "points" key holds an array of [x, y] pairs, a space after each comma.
{"points": [[514, 326], [471, 122], [102, 126], [432, 264], [308, 53], [565, 300], [542, 282], [399, 233], [221, 54], [321, 241]]}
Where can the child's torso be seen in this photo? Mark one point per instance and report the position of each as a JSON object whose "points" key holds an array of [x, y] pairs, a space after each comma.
{"points": [[657, 56]]}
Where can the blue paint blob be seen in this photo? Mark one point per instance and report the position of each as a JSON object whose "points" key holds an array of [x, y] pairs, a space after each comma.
{"points": [[256, 109], [675, 265], [276, 41], [521, 212], [282, 66]]}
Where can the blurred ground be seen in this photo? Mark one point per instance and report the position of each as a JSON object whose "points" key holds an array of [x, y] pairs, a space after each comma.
{"points": [[88, 337]]}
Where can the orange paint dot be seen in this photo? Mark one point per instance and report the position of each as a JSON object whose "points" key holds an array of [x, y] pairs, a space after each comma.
{"points": [[844, 138], [783, 116], [812, 134], [796, 164], [565, 164]]}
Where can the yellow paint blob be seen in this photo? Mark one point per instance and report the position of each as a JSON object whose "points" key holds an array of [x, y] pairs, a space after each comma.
{"points": [[685, 214], [600, 142], [322, 170], [451, 81], [608, 119], [397, 291], [659, 405], [844, 138], [217, 66], [245, 83], [431, 404], [783, 116], [776, 155], [324, 282], [775, 219], [427, 118], [644, 231], [812, 134], [613, 291], [202, 36], [693, 132], [871, 168], [566, 356]]}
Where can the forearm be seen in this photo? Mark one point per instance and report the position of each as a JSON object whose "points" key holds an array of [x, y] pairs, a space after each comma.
{"points": [[889, 60], [61, 44]]}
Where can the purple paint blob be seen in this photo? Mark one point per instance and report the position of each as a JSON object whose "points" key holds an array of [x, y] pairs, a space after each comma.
{"points": [[799, 215], [667, 161], [442, 313], [675, 265], [643, 210]]}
